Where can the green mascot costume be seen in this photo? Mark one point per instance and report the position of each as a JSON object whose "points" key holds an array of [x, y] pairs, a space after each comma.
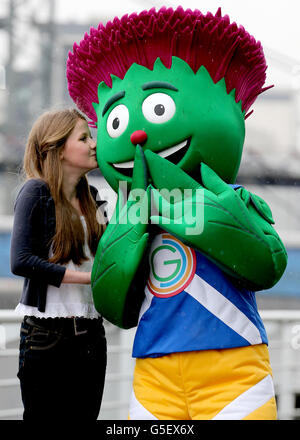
{"points": [[186, 248]]}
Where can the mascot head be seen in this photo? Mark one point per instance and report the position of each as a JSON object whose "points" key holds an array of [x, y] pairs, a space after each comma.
{"points": [[177, 82]]}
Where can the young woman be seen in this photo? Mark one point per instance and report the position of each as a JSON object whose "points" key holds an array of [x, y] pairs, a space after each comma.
{"points": [[57, 225]]}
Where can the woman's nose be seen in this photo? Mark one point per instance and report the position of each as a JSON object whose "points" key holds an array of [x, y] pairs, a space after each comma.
{"points": [[138, 137], [93, 144]]}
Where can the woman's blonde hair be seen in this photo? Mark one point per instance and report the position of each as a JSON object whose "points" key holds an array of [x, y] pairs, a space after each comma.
{"points": [[46, 140]]}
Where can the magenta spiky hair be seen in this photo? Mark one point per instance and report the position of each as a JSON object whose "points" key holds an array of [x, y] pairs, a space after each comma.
{"points": [[226, 50]]}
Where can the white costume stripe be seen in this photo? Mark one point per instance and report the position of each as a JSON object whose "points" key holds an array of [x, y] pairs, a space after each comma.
{"points": [[223, 309], [248, 401], [137, 411]]}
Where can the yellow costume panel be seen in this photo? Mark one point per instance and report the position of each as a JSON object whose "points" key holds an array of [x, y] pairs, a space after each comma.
{"points": [[229, 384]]}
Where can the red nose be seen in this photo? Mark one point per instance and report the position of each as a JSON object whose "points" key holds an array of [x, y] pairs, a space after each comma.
{"points": [[138, 137]]}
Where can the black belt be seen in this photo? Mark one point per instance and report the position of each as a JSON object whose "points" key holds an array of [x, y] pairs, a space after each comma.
{"points": [[67, 326]]}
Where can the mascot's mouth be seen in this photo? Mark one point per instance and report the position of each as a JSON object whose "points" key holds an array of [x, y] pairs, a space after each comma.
{"points": [[174, 154]]}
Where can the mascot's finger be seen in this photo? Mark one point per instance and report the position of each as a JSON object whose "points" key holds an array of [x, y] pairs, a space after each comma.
{"points": [[147, 199], [140, 173], [160, 203], [164, 207], [119, 205], [159, 220], [166, 224], [212, 181], [262, 208], [244, 195], [166, 175]]}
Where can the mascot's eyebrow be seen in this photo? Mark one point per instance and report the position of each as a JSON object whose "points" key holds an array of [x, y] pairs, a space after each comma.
{"points": [[158, 85], [111, 100]]}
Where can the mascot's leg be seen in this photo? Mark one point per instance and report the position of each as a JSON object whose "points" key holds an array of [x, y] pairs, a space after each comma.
{"points": [[231, 384], [157, 390]]}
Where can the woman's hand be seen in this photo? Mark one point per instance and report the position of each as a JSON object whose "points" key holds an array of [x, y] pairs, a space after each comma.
{"points": [[76, 277]]}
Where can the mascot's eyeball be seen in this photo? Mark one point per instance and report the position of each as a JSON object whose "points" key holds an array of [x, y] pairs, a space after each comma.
{"points": [[158, 108], [117, 121]]}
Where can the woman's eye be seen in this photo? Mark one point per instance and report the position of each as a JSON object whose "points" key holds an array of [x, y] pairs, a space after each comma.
{"points": [[117, 121], [158, 108]]}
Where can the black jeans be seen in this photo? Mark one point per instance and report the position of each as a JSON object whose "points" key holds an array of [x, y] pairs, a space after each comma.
{"points": [[62, 368]]}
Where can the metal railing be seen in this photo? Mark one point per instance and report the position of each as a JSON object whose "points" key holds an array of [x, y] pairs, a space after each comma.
{"points": [[283, 328]]}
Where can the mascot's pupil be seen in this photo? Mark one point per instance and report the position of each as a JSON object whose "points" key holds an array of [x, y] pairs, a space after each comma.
{"points": [[159, 109], [116, 123]]}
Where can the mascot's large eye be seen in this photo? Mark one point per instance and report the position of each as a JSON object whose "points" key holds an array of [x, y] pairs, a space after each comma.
{"points": [[117, 121], [158, 108]]}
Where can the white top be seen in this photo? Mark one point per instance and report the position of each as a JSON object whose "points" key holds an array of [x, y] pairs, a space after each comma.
{"points": [[68, 300]]}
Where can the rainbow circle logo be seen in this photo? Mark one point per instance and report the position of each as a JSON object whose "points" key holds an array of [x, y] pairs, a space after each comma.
{"points": [[172, 266]]}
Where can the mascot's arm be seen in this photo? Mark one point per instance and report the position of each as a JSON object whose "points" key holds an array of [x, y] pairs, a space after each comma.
{"points": [[261, 215], [233, 228], [117, 292]]}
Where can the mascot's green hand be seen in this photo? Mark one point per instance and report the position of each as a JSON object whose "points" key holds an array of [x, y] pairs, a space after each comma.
{"points": [[120, 252], [233, 228]]}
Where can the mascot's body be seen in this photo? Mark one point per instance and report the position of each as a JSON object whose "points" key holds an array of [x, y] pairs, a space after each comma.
{"points": [[169, 91]]}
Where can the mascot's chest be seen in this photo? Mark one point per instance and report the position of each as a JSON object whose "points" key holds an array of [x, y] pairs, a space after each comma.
{"points": [[172, 266], [190, 304]]}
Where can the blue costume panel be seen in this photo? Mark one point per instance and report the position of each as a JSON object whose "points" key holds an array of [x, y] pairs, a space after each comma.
{"points": [[175, 319]]}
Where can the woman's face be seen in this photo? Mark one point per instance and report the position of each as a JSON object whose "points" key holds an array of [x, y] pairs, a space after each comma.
{"points": [[79, 153]]}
